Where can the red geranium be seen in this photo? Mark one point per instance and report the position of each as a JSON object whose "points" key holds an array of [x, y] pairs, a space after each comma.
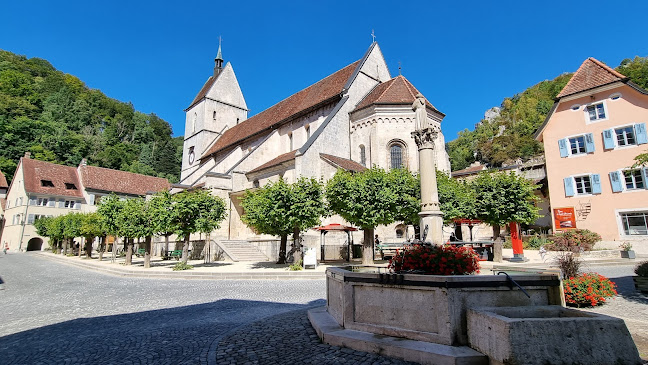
{"points": [[435, 260], [589, 289]]}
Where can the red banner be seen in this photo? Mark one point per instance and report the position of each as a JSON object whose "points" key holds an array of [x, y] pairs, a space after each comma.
{"points": [[564, 218]]}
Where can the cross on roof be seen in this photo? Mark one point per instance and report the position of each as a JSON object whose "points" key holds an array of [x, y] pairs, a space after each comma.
{"points": [[373, 35]]}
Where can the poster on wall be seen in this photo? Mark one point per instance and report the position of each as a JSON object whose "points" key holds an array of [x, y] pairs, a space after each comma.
{"points": [[564, 218]]}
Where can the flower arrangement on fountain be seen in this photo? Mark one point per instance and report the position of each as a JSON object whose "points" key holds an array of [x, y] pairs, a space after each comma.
{"points": [[435, 260], [588, 289]]}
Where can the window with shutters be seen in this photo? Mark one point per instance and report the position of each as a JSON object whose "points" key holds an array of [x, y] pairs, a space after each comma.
{"points": [[583, 184], [635, 223], [625, 136], [42, 202], [596, 112], [70, 204], [577, 145], [634, 179]]}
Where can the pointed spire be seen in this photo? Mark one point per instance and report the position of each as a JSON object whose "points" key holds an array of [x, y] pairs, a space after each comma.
{"points": [[218, 61]]}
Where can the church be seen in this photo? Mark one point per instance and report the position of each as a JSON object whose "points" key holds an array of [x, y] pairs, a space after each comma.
{"points": [[355, 118]]}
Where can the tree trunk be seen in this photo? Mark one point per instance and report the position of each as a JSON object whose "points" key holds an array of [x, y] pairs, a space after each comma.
{"points": [[80, 250], [147, 252], [129, 251], [496, 231], [295, 252], [166, 244], [368, 247], [88, 246], [102, 247], [65, 246], [185, 249], [207, 248], [282, 249]]}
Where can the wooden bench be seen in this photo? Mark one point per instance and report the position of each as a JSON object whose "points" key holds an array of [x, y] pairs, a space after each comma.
{"points": [[141, 252], [175, 254]]}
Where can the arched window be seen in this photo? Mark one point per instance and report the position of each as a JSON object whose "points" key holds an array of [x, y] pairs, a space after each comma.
{"points": [[400, 230], [363, 156], [396, 156], [193, 122], [290, 139], [214, 115], [255, 183]]}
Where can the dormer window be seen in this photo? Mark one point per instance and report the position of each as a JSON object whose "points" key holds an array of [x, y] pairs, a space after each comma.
{"points": [[70, 186], [596, 112], [47, 183]]}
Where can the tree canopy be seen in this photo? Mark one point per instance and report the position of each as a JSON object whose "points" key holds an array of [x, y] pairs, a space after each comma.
{"points": [[456, 198], [59, 119]]}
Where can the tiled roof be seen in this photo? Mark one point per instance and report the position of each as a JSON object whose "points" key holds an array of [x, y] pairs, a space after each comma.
{"points": [[469, 170], [590, 74], [3, 181], [323, 91], [276, 161], [99, 178], [343, 163], [393, 92], [34, 171], [203, 91]]}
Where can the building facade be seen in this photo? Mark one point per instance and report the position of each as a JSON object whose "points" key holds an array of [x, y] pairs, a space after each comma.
{"points": [[44, 189], [591, 136], [353, 119]]}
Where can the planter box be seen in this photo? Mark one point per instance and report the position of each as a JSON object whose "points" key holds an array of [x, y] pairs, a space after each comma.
{"points": [[628, 254], [641, 284]]}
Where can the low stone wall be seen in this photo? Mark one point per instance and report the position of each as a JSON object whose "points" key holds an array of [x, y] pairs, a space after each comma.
{"points": [[427, 307]]}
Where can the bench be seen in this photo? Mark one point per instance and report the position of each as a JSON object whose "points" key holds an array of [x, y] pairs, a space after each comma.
{"points": [[175, 254], [388, 250], [141, 252]]}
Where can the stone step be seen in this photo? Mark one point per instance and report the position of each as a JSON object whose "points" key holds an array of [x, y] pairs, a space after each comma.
{"points": [[243, 251]]}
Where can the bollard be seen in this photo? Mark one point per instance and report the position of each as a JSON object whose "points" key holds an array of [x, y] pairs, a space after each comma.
{"points": [[497, 250]]}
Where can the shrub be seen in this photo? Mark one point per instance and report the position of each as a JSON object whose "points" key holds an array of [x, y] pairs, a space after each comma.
{"points": [[568, 263], [575, 240], [296, 266], [626, 246], [537, 241], [589, 289], [182, 266], [642, 269], [435, 260]]}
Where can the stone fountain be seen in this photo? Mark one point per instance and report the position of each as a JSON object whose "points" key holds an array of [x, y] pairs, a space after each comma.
{"points": [[462, 319]]}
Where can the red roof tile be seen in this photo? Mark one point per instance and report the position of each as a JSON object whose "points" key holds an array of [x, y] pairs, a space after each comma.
{"points": [[35, 171], [343, 163], [99, 178], [469, 170], [323, 91], [276, 161], [395, 91], [3, 181], [592, 73]]}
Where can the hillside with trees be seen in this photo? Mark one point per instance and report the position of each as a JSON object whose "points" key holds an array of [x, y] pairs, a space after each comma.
{"points": [[57, 118], [508, 136]]}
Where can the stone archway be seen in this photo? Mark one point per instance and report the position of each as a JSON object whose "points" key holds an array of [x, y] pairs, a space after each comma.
{"points": [[35, 244]]}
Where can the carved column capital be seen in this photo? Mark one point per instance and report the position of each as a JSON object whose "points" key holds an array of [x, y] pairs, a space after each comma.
{"points": [[426, 137]]}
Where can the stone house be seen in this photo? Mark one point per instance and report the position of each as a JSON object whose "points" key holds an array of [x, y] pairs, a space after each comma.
{"points": [[355, 118], [592, 134], [42, 189]]}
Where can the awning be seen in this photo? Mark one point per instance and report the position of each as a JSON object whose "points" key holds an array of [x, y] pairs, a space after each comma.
{"points": [[335, 227]]}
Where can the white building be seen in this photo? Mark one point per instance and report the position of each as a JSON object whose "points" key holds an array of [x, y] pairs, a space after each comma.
{"points": [[358, 116]]}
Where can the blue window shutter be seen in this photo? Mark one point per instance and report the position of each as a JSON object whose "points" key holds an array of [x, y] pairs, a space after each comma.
{"points": [[569, 186], [640, 133], [615, 179], [608, 139], [645, 176], [589, 143], [596, 184], [562, 145]]}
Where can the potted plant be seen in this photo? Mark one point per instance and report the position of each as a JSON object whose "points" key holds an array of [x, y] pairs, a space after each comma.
{"points": [[641, 280], [626, 250]]}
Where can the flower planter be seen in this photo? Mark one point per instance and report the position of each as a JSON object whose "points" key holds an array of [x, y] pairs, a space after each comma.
{"points": [[641, 284], [628, 254]]}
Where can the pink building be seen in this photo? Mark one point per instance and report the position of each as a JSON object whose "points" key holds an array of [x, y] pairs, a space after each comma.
{"points": [[592, 134]]}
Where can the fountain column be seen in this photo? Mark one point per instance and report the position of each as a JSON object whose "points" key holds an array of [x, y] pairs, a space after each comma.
{"points": [[425, 136]]}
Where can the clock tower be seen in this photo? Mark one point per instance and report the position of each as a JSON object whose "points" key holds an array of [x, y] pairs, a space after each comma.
{"points": [[218, 106]]}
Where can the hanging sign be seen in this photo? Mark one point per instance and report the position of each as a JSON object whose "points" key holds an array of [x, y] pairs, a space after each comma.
{"points": [[564, 218]]}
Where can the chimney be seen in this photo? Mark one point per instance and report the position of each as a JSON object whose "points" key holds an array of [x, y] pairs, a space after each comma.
{"points": [[27, 154]]}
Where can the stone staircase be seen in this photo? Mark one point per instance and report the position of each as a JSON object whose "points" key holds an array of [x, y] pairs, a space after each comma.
{"points": [[242, 251]]}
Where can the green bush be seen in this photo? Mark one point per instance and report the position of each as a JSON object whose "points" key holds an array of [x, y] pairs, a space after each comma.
{"points": [[296, 266], [182, 266], [575, 240], [537, 241], [642, 269]]}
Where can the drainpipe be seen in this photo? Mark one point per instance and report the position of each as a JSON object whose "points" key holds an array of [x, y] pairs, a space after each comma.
{"points": [[24, 221]]}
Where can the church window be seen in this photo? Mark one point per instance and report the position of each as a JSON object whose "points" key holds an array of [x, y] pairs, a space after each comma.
{"points": [[193, 122], [237, 120], [363, 156], [290, 141], [308, 132], [255, 183], [396, 156]]}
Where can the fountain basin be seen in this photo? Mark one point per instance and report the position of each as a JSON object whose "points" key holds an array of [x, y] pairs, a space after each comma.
{"points": [[549, 335], [430, 308]]}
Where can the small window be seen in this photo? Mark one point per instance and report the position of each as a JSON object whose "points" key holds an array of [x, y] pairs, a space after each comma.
{"points": [[634, 179], [193, 122], [583, 185], [625, 136], [615, 96], [47, 183], [70, 204], [577, 145], [70, 186], [290, 141], [575, 107], [596, 112], [42, 202], [399, 233], [214, 115], [396, 155], [363, 155], [308, 132], [635, 223], [255, 183]]}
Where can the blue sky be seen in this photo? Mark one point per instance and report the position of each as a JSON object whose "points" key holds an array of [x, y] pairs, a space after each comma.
{"points": [[464, 56]]}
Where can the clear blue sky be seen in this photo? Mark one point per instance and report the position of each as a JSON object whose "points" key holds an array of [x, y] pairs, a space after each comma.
{"points": [[465, 57]]}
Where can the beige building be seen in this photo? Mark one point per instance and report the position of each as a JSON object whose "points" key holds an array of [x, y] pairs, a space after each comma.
{"points": [[591, 136], [44, 189], [3, 197], [355, 118]]}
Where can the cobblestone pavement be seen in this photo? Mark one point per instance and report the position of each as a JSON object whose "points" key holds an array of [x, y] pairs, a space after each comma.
{"points": [[59, 314]]}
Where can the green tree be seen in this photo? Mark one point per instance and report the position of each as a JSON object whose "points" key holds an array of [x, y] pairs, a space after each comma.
{"points": [[52, 228], [109, 210], [90, 229], [160, 209], [71, 223], [368, 199], [280, 209], [133, 223], [641, 160], [194, 211], [501, 198], [456, 198]]}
